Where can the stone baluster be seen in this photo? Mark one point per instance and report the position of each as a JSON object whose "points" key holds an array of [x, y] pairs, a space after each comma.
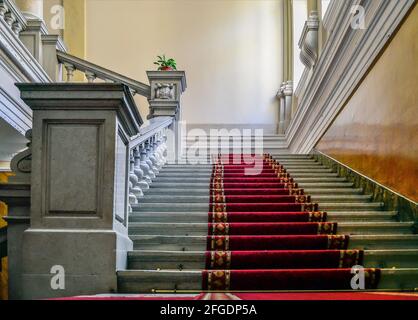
{"points": [[154, 154], [70, 71], [135, 191], [144, 164], [17, 27], [9, 18], [142, 183], [164, 149], [90, 76], [3, 9], [153, 170], [159, 150]]}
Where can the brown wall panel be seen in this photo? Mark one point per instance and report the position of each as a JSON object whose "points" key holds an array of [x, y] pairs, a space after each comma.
{"points": [[377, 131]]}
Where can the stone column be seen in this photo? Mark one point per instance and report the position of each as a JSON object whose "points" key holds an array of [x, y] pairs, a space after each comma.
{"points": [[288, 95], [79, 187], [280, 96], [31, 9]]}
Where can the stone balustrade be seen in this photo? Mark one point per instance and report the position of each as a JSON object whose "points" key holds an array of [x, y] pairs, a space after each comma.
{"points": [[147, 157], [12, 16]]}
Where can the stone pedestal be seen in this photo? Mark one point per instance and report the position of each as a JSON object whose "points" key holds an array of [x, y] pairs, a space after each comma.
{"points": [[166, 90], [79, 187], [288, 95], [32, 37]]}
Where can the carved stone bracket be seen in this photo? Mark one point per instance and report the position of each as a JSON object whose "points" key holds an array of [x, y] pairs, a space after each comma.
{"points": [[165, 91], [308, 42], [21, 164]]}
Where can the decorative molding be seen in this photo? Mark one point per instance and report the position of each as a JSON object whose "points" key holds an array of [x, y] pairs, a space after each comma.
{"points": [[21, 163], [345, 59]]}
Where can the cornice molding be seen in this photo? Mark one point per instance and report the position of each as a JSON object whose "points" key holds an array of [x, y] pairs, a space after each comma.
{"points": [[345, 60]]}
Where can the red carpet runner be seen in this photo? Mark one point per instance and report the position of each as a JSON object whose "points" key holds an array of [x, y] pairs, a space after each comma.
{"points": [[264, 233]]}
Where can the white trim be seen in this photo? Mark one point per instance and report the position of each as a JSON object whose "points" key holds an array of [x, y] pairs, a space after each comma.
{"points": [[346, 57]]}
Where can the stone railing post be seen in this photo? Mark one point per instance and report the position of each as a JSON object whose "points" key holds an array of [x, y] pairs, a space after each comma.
{"points": [[308, 42], [79, 187], [167, 88]]}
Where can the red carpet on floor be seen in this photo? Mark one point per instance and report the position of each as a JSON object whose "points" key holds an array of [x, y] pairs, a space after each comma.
{"points": [[264, 233]]}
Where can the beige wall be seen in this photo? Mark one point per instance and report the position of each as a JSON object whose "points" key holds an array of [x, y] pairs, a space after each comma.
{"points": [[230, 50], [377, 131]]}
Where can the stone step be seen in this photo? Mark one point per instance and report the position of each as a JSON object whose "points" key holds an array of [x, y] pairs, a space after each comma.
{"points": [[341, 198], [206, 179], [186, 260], [193, 185], [165, 197], [325, 185], [204, 206], [198, 243], [208, 170], [216, 138], [202, 217], [343, 206], [201, 229], [141, 281], [205, 174], [205, 191]]}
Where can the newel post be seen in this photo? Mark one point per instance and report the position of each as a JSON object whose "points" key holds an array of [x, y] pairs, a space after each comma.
{"points": [[79, 187], [167, 88]]}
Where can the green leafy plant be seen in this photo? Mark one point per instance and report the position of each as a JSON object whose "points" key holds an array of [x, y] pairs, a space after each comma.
{"points": [[165, 64]]}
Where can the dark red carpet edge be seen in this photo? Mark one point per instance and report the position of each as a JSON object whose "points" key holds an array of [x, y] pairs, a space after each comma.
{"points": [[276, 296], [288, 279]]}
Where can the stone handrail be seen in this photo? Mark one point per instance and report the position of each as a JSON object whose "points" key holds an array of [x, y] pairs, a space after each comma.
{"points": [[93, 71]]}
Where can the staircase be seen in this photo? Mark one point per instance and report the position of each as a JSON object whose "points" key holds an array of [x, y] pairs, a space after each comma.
{"points": [[169, 227]]}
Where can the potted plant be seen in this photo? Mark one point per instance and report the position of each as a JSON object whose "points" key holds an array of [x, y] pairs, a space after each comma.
{"points": [[165, 64]]}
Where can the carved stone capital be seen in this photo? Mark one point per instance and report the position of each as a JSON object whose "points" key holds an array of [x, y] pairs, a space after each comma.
{"points": [[21, 164]]}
